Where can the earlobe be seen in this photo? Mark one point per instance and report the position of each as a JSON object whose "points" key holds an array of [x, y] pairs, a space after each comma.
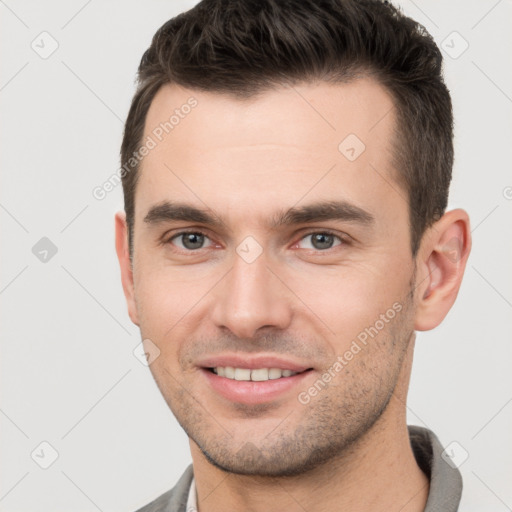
{"points": [[125, 264], [441, 262]]}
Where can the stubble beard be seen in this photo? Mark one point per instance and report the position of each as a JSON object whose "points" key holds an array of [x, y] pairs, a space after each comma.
{"points": [[327, 428]]}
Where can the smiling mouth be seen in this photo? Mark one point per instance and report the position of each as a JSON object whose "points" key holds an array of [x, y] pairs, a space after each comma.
{"points": [[255, 375]]}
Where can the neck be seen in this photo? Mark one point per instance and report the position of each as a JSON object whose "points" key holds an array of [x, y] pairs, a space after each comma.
{"points": [[378, 473]]}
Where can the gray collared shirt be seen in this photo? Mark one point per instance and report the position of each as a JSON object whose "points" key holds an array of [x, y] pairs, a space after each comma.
{"points": [[445, 479]]}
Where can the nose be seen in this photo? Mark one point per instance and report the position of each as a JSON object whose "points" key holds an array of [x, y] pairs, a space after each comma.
{"points": [[251, 297]]}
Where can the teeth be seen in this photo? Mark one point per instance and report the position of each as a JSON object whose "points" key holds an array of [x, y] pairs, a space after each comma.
{"points": [[274, 373], [242, 374], [258, 375]]}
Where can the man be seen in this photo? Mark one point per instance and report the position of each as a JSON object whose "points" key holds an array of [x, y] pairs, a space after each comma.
{"points": [[286, 167]]}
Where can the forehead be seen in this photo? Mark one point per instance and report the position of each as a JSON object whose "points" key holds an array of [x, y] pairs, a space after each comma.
{"points": [[274, 147], [311, 114]]}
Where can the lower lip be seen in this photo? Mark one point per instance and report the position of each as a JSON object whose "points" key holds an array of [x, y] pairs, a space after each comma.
{"points": [[252, 392]]}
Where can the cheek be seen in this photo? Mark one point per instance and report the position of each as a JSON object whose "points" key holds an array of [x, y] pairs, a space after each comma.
{"points": [[351, 297], [156, 301], [169, 301]]}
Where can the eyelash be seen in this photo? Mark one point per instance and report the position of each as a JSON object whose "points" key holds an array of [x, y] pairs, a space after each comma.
{"points": [[343, 239]]}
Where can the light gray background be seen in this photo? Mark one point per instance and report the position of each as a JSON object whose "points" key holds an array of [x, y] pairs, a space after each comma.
{"points": [[68, 374]]}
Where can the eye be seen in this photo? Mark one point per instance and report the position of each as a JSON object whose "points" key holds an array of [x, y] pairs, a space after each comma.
{"points": [[190, 240], [320, 241]]}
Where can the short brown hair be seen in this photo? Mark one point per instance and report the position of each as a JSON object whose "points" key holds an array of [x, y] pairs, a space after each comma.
{"points": [[242, 47]]}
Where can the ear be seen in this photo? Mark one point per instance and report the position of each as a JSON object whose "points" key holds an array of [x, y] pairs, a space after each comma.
{"points": [[440, 265], [123, 255]]}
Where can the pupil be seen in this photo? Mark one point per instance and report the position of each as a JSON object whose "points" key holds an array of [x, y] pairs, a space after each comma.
{"points": [[193, 240], [322, 241]]}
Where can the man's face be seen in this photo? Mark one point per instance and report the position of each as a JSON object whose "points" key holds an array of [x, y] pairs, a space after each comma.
{"points": [[270, 276]]}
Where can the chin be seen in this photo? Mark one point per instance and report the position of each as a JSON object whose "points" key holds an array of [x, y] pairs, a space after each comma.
{"points": [[285, 460]]}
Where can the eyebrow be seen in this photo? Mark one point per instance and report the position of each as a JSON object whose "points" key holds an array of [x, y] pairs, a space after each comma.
{"points": [[168, 211], [323, 211]]}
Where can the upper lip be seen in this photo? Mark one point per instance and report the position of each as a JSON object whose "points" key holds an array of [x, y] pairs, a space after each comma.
{"points": [[252, 362]]}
